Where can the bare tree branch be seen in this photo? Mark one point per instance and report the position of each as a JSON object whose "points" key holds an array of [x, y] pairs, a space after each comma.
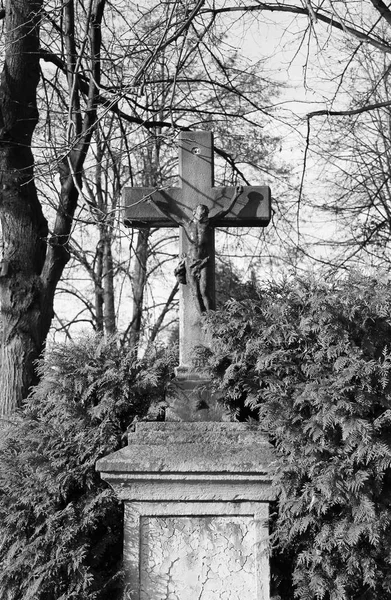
{"points": [[157, 326], [383, 10], [349, 112], [329, 19], [166, 42]]}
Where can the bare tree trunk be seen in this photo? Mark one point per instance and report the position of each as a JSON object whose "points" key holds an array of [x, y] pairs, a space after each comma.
{"points": [[104, 283], [104, 271], [32, 264], [139, 281], [139, 276], [163, 313], [108, 287], [99, 296], [24, 228]]}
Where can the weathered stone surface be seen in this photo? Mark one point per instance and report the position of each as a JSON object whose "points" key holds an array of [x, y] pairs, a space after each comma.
{"points": [[197, 551], [196, 186], [196, 510], [229, 434], [191, 462], [189, 398], [194, 557], [252, 210], [204, 447]]}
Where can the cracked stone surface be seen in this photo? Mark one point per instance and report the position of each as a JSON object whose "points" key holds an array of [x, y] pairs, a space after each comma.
{"points": [[197, 558]]}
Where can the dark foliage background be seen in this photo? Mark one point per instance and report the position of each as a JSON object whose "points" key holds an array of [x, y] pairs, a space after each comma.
{"points": [[60, 524], [311, 360]]}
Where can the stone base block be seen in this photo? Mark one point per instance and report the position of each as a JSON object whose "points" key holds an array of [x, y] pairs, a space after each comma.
{"points": [[196, 551], [196, 511]]}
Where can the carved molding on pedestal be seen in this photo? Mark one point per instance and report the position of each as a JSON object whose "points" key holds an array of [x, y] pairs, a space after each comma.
{"points": [[196, 510]]}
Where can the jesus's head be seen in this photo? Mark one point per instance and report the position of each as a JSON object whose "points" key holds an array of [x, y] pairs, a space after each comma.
{"points": [[200, 212]]}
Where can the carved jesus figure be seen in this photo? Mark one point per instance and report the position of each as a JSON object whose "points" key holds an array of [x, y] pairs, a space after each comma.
{"points": [[194, 268]]}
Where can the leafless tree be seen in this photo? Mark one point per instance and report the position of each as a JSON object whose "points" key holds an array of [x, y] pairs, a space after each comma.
{"points": [[79, 63]]}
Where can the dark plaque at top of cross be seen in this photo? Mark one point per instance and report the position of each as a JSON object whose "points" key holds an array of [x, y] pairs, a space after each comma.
{"points": [[197, 207]]}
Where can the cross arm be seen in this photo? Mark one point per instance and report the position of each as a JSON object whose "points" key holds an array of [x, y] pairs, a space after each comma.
{"points": [[221, 214], [149, 207], [170, 207], [252, 208]]}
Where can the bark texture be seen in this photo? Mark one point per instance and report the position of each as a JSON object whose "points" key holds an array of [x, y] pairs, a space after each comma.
{"points": [[35, 262], [24, 227]]}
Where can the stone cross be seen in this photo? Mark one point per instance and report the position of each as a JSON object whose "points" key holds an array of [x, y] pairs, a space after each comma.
{"points": [[196, 494], [197, 208]]}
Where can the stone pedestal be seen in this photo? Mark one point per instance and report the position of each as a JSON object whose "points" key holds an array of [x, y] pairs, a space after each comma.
{"points": [[196, 510], [189, 398]]}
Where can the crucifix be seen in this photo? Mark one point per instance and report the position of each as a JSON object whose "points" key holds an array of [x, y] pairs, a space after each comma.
{"points": [[197, 208]]}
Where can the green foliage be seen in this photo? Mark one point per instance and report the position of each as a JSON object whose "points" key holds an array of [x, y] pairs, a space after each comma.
{"points": [[60, 525], [313, 360], [230, 284]]}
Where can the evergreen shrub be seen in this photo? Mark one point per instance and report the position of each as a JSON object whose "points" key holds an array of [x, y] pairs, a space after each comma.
{"points": [[60, 524], [313, 362]]}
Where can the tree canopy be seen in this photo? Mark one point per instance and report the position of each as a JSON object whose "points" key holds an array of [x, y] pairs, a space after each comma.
{"points": [[112, 85], [92, 97]]}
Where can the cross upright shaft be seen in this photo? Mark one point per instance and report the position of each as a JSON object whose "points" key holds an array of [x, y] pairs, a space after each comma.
{"points": [[175, 206]]}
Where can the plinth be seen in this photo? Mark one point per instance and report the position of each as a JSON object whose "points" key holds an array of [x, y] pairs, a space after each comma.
{"points": [[196, 499]]}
